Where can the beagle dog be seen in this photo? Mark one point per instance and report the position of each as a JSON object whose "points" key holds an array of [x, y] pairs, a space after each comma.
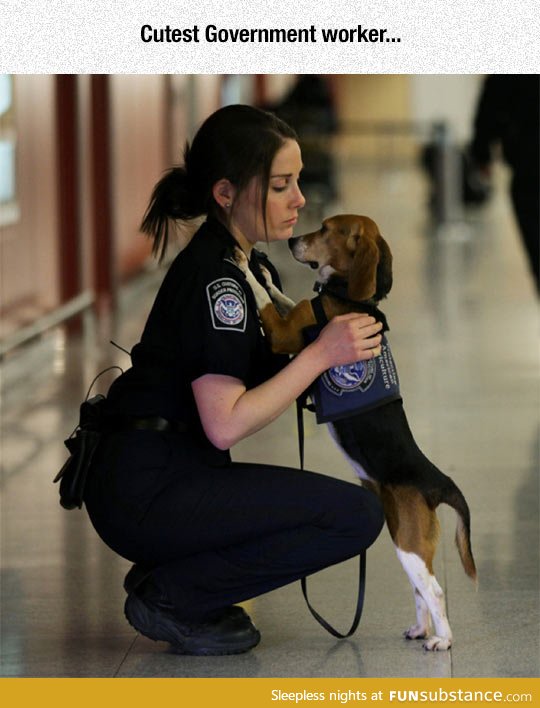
{"points": [[354, 263]]}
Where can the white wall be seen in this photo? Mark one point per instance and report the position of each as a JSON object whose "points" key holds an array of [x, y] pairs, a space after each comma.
{"points": [[446, 97]]}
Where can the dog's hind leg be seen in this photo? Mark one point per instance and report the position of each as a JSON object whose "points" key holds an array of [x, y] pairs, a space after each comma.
{"points": [[421, 629], [414, 528], [428, 597]]}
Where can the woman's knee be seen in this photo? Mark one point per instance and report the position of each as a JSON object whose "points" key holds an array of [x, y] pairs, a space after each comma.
{"points": [[361, 515]]}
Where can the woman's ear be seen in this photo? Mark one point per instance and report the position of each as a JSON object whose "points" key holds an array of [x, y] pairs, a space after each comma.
{"points": [[223, 192]]}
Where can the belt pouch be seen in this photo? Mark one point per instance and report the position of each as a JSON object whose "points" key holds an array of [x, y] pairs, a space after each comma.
{"points": [[82, 446]]}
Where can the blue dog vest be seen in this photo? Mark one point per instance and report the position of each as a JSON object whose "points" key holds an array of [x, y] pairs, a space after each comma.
{"points": [[347, 390]]}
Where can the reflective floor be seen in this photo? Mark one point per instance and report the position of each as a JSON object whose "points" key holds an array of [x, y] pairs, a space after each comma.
{"points": [[464, 332]]}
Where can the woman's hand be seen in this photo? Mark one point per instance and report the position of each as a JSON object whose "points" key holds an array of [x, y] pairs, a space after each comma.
{"points": [[349, 338], [229, 412]]}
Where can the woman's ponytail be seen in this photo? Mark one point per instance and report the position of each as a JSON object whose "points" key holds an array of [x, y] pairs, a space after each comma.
{"points": [[172, 199]]}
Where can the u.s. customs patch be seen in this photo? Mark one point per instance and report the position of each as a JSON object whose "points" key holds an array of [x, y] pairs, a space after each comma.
{"points": [[227, 303]]}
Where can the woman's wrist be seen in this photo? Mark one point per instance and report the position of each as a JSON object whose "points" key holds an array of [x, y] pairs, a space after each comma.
{"points": [[314, 358]]}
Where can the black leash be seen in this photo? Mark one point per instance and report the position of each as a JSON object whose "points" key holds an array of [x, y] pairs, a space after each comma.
{"points": [[301, 403], [359, 605]]}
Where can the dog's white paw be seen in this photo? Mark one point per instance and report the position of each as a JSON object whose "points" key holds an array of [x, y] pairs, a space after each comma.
{"points": [[435, 643], [267, 276], [241, 259], [416, 632]]}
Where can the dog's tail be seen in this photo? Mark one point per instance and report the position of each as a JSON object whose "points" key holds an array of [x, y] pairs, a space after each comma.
{"points": [[451, 494]]}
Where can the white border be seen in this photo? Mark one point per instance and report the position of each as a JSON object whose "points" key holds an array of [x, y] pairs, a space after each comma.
{"points": [[461, 36]]}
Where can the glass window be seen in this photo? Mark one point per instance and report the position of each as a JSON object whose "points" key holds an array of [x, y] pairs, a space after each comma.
{"points": [[9, 211]]}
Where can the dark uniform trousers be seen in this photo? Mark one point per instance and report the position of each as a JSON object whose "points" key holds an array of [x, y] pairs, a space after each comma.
{"points": [[217, 534]]}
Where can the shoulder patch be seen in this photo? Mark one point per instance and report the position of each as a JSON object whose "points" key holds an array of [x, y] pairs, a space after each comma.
{"points": [[227, 303]]}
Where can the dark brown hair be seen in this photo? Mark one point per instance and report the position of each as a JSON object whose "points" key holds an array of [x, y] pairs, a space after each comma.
{"points": [[235, 143]]}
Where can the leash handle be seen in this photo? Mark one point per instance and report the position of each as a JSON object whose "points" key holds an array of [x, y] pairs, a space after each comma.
{"points": [[300, 404], [359, 604]]}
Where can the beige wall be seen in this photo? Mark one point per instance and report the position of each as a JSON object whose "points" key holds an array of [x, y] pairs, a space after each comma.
{"points": [[373, 98], [419, 99], [277, 86]]}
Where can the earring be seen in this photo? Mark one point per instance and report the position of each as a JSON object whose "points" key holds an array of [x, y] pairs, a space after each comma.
{"points": [[227, 205]]}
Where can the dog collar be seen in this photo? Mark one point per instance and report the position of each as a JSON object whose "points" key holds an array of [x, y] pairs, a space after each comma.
{"points": [[338, 289]]}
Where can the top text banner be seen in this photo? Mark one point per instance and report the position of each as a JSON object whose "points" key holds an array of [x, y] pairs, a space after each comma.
{"points": [[380, 36]]}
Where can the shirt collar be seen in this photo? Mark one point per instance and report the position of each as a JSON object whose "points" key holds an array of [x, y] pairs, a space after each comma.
{"points": [[215, 227]]}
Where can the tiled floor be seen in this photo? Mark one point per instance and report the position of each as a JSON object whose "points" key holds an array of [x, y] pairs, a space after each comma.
{"points": [[464, 331]]}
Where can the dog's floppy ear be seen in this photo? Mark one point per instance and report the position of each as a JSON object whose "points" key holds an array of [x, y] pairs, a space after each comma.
{"points": [[363, 273], [384, 270]]}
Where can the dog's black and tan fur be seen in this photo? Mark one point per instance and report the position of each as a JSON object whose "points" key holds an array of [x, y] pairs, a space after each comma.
{"points": [[350, 252]]}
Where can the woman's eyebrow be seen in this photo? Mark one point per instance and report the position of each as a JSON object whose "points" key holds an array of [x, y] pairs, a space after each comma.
{"points": [[288, 174]]}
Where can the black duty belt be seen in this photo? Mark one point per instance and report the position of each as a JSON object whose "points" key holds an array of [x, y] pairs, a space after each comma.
{"points": [[154, 422], [94, 421]]}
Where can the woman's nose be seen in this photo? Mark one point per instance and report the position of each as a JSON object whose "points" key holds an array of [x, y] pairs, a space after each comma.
{"points": [[299, 200]]}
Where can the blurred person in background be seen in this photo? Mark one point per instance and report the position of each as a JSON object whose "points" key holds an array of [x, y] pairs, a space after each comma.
{"points": [[507, 114]]}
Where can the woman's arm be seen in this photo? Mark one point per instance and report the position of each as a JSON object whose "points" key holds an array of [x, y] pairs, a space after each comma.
{"points": [[229, 412]]}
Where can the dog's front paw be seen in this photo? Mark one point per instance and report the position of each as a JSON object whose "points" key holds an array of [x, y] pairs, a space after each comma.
{"points": [[435, 643], [241, 259], [416, 632], [267, 276]]}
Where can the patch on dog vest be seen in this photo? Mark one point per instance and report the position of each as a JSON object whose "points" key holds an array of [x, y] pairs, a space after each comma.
{"points": [[227, 303], [354, 388]]}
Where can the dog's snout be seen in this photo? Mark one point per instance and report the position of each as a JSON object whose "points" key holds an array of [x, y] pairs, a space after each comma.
{"points": [[298, 247]]}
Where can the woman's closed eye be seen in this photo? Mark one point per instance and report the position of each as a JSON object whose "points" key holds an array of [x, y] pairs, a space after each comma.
{"points": [[280, 185], [283, 184]]}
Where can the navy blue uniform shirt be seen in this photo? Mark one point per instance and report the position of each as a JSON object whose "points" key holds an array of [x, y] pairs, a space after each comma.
{"points": [[204, 321]]}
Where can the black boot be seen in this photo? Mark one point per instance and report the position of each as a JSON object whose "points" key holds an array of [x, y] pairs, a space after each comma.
{"points": [[227, 631], [137, 574]]}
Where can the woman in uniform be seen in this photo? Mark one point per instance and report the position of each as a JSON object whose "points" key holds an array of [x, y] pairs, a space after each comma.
{"points": [[203, 531]]}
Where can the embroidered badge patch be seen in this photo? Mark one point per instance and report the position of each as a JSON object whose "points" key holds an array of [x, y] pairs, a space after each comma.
{"points": [[347, 390], [227, 303], [350, 377]]}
